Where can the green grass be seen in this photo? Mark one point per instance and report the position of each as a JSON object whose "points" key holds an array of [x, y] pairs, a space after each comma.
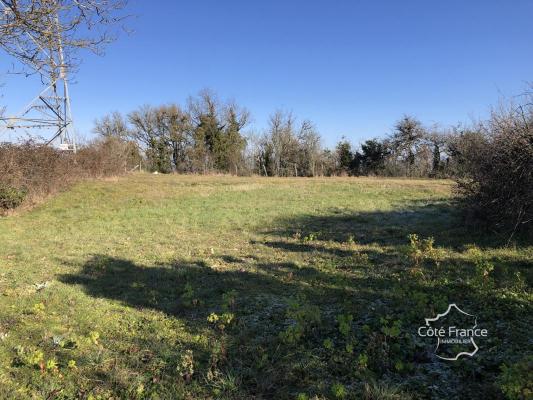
{"points": [[171, 287]]}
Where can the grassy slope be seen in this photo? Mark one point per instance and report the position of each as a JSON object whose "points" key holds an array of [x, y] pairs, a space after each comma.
{"points": [[135, 267]]}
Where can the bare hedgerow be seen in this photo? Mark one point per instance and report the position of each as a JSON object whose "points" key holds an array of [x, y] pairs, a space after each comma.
{"points": [[498, 182], [38, 171]]}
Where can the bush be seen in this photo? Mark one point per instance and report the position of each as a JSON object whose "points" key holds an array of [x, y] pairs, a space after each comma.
{"points": [[30, 171], [498, 183], [11, 197], [515, 380], [40, 169]]}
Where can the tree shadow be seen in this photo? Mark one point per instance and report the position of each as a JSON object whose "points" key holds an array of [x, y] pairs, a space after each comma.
{"points": [[189, 291], [165, 287], [259, 362], [441, 219], [385, 244], [374, 283]]}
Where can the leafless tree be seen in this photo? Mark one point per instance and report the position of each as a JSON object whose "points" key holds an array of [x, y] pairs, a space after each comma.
{"points": [[406, 140], [175, 128], [286, 149], [33, 30], [284, 143], [143, 122], [310, 149], [112, 125]]}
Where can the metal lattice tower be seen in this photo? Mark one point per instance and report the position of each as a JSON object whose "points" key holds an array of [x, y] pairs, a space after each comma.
{"points": [[49, 113]]}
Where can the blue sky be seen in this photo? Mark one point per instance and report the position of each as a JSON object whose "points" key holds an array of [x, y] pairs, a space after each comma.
{"points": [[353, 67]]}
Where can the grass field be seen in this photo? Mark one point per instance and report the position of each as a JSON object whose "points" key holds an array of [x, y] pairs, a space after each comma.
{"points": [[169, 287]]}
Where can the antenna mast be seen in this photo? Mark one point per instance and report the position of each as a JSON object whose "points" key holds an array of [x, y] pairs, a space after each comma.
{"points": [[50, 111]]}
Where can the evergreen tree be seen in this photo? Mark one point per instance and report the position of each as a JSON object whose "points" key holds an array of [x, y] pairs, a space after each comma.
{"points": [[231, 147], [373, 156], [344, 156]]}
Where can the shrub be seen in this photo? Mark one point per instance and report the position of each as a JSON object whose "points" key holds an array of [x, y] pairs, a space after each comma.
{"points": [[515, 380], [423, 249], [339, 391], [11, 197], [29, 170], [498, 184], [40, 169], [303, 317]]}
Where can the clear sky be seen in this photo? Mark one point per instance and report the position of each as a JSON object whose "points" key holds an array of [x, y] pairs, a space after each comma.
{"points": [[353, 67]]}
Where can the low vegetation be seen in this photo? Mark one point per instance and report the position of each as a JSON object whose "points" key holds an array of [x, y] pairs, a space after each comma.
{"points": [[166, 286], [31, 171]]}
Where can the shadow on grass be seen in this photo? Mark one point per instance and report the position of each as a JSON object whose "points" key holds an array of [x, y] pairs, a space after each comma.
{"points": [[441, 219], [190, 291], [249, 358], [330, 235], [259, 364], [167, 288]]}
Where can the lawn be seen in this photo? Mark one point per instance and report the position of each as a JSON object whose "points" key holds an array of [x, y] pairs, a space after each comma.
{"points": [[170, 287]]}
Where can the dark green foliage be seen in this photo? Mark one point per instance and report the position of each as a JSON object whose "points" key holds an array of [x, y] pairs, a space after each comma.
{"points": [[230, 146], [159, 156], [370, 161], [208, 133], [206, 138], [516, 381], [209, 137], [344, 157], [357, 164], [11, 197], [373, 156], [436, 160]]}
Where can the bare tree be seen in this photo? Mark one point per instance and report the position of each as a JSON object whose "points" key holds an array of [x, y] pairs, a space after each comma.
{"points": [[143, 125], [284, 144], [175, 128], [310, 149], [263, 155], [32, 30], [149, 130], [112, 125], [406, 140], [287, 150]]}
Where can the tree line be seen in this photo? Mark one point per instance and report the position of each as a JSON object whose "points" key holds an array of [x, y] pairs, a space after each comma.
{"points": [[209, 136]]}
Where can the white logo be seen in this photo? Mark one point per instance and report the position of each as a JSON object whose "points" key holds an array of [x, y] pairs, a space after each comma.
{"points": [[450, 337]]}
